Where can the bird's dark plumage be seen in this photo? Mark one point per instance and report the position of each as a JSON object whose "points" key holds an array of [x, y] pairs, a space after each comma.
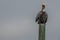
{"points": [[41, 17]]}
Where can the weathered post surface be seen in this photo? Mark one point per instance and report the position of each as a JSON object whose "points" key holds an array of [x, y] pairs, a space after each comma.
{"points": [[41, 18], [41, 31]]}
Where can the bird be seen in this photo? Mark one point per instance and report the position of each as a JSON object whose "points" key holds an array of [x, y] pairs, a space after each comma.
{"points": [[42, 16]]}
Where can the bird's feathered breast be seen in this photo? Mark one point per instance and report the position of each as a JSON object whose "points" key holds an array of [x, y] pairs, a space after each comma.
{"points": [[42, 17]]}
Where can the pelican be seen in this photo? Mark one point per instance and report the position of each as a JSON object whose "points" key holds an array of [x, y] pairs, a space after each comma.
{"points": [[42, 16]]}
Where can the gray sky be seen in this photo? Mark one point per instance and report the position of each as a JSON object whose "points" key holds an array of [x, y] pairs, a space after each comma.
{"points": [[17, 19]]}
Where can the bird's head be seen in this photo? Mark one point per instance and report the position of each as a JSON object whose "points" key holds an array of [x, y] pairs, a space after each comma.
{"points": [[43, 6]]}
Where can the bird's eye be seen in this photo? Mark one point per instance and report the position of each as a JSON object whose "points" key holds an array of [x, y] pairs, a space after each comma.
{"points": [[43, 6]]}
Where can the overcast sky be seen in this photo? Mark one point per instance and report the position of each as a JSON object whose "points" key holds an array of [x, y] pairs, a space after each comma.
{"points": [[17, 19]]}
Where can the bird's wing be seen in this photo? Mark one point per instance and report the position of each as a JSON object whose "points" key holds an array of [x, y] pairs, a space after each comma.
{"points": [[45, 17], [38, 16]]}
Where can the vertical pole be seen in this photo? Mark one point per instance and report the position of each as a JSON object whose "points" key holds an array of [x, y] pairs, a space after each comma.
{"points": [[41, 31]]}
